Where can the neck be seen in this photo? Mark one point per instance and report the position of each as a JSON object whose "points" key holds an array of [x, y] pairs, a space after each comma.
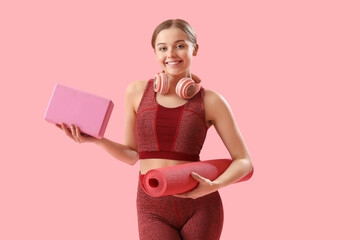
{"points": [[174, 79]]}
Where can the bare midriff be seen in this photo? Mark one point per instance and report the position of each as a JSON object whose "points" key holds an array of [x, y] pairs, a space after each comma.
{"points": [[153, 163]]}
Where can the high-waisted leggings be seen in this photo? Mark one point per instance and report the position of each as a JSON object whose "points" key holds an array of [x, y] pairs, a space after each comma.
{"points": [[173, 218]]}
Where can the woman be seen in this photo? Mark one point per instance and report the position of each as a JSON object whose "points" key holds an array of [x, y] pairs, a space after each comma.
{"points": [[165, 129]]}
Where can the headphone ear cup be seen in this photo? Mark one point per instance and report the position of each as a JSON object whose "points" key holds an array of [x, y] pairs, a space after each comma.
{"points": [[187, 88], [161, 83]]}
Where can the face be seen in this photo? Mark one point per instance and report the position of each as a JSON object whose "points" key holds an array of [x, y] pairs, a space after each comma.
{"points": [[174, 51]]}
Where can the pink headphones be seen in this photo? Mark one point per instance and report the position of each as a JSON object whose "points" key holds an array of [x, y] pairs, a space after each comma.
{"points": [[185, 88]]}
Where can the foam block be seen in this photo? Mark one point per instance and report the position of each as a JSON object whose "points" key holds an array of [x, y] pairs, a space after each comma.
{"points": [[91, 113], [177, 179]]}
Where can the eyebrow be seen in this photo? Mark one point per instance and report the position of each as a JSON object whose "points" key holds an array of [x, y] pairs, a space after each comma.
{"points": [[175, 42]]}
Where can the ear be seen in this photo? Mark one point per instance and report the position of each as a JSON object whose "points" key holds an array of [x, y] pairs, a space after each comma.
{"points": [[196, 48]]}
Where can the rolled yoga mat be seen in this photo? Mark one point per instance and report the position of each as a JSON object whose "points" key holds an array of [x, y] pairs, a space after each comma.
{"points": [[177, 179]]}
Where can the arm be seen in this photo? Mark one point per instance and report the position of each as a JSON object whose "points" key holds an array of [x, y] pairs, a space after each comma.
{"points": [[121, 152], [219, 113], [126, 152], [224, 122]]}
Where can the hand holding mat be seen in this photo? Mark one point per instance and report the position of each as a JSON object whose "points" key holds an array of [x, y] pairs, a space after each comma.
{"points": [[177, 179]]}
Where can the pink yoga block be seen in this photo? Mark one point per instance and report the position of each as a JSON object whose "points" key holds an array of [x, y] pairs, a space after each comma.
{"points": [[91, 113]]}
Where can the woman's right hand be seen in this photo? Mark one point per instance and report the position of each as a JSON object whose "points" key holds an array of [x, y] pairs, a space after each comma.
{"points": [[75, 134]]}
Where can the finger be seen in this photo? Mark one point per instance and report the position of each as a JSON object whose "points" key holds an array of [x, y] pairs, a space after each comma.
{"points": [[197, 176], [179, 196], [193, 196], [78, 134], [200, 178], [182, 195], [66, 130], [73, 132]]}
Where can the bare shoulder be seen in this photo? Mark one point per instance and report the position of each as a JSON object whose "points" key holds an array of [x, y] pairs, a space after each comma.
{"points": [[213, 99], [134, 93], [215, 104], [136, 87], [211, 96]]}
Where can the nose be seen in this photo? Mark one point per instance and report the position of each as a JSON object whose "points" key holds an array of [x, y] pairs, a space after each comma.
{"points": [[171, 52]]}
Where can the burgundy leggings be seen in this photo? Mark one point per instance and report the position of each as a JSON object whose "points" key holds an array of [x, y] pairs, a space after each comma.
{"points": [[173, 218]]}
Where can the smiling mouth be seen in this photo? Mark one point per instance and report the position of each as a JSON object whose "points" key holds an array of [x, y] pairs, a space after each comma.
{"points": [[173, 62]]}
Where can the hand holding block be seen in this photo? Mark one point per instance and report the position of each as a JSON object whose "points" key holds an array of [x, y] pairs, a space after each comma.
{"points": [[91, 113]]}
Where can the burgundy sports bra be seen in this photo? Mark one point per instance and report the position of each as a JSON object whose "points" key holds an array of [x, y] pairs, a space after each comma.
{"points": [[170, 133]]}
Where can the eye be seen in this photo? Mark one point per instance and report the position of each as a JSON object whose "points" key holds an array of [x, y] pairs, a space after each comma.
{"points": [[162, 49], [180, 46]]}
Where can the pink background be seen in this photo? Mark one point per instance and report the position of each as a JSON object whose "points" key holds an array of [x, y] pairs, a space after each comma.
{"points": [[289, 70]]}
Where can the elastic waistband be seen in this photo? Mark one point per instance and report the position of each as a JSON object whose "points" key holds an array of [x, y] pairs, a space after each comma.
{"points": [[170, 155]]}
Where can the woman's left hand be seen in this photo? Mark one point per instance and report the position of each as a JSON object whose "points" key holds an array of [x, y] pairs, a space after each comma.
{"points": [[205, 187]]}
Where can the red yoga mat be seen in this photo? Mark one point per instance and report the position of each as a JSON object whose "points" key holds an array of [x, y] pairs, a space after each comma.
{"points": [[177, 179]]}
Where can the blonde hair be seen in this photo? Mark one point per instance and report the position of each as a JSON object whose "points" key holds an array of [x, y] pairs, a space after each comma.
{"points": [[179, 23]]}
